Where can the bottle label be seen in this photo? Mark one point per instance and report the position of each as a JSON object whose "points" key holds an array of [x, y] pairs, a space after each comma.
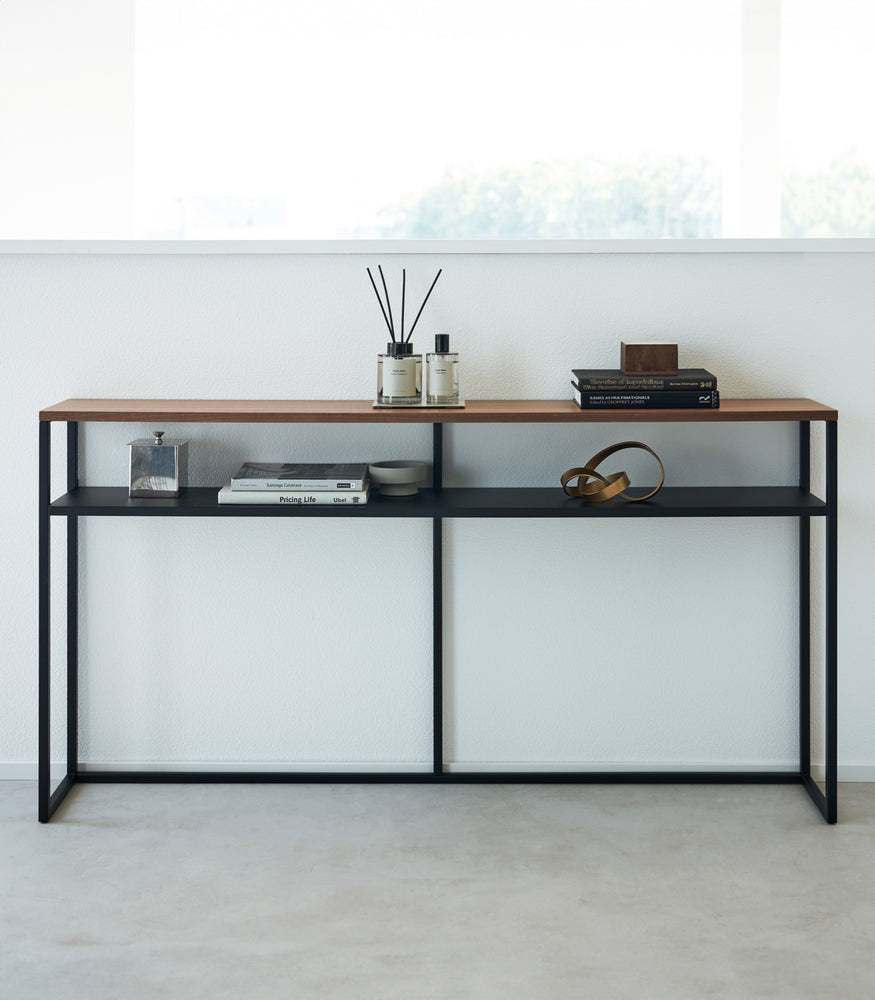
{"points": [[399, 377], [440, 378]]}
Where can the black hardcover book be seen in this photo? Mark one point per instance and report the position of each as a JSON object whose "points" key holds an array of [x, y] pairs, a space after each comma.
{"points": [[613, 380], [657, 400]]}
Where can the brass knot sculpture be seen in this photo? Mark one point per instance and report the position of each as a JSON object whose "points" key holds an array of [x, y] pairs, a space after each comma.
{"points": [[606, 487]]}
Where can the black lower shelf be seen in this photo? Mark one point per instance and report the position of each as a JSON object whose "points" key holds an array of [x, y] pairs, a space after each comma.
{"points": [[679, 501]]}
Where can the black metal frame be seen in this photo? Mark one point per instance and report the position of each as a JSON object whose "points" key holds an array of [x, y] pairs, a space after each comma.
{"points": [[440, 504], [825, 798]]}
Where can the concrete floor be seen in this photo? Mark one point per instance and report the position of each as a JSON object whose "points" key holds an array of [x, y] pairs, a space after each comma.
{"points": [[383, 892]]}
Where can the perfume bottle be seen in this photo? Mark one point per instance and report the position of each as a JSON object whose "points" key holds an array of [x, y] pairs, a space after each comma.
{"points": [[399, 375], [442, 372]]}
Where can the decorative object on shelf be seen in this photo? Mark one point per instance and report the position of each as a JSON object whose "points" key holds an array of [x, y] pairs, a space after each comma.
{"points": [[303, 483], [158, 468], [300, 476], [399, 370], [399, 376], [607, 388], [442, 372], [654, 357], [399, 478], [613, 380], [304, 498], [606, 487], [646, 399]]}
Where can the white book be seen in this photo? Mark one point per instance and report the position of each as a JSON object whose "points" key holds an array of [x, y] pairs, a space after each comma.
{"points": [[293, 498]]}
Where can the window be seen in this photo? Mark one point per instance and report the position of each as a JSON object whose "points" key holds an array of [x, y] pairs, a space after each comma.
{"points": [[435, 119]]}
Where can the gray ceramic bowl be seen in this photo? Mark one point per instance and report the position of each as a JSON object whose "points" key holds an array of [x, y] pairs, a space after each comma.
{"points": [[400, 478]]}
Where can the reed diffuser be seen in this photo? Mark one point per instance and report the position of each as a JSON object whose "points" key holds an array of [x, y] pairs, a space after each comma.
{"points": [[399, 370]]}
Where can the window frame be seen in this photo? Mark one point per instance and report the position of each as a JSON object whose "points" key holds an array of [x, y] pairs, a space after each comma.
{"points": [[438, 247]]}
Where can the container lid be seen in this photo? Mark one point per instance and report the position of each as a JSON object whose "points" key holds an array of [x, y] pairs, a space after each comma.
{"points": [[165, 443], [441, 343]]}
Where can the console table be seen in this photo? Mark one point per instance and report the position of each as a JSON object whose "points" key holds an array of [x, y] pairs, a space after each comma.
{"points": [[792, 500]]}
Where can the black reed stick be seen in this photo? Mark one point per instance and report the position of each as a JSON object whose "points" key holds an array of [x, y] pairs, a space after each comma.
{"points": [[403, 293], [382, 309], [410, 334], [388, 302]]}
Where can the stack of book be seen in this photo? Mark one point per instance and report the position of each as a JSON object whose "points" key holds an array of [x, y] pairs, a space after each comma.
{"points": [[298, 483], [609, 388]]}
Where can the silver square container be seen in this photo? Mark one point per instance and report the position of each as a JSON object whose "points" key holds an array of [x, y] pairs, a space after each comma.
{"points": [[158, 468]]}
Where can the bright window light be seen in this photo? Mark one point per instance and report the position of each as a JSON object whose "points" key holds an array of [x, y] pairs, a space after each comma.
{"points": [[435, 119]]}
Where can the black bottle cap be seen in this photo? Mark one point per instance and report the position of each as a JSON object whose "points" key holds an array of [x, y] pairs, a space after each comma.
{"points": [[398, 349], [441, 343]]}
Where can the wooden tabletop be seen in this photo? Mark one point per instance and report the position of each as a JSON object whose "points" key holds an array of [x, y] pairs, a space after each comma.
{"points": [[497, 411]]}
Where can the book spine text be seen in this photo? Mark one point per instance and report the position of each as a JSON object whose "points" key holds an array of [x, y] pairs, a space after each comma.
{"points": [[313, 485], [299, 499], [646, 400], [639, 383]]}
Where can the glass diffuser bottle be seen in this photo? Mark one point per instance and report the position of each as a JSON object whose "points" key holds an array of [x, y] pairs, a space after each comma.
{"points": [[442, 372], [399, 370], [399, 375]]}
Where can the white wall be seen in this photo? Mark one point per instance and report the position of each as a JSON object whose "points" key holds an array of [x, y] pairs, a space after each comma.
{"points": [[225, 641]]}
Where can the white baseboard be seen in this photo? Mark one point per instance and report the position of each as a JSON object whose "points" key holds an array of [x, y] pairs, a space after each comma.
{"points": [[27, 770]]}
